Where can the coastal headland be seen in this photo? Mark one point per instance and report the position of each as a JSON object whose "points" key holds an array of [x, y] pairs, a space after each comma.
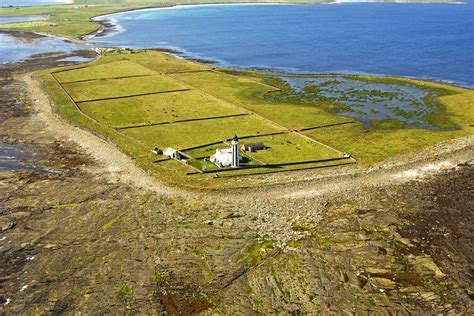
{"points": [[146, 99], [92, 221]]}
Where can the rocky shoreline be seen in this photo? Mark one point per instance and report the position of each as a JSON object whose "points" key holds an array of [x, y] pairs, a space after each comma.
{"points": [[394, 239]]}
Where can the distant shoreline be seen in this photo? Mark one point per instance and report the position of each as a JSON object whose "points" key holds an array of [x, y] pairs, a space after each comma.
{"points": [[107, 24], [110, 25]]}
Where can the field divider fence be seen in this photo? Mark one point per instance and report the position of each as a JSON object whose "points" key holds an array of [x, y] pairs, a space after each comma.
{"points": [[78, 108], [275, 165], [186, 72], [274, 89], [182, 121], [324, 126], [132, 95], [229, 139], [69, 69], [279, 171], [109, 78]]}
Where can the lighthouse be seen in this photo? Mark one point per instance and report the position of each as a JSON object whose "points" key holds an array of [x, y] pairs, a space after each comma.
{"points": [[235, 152]]}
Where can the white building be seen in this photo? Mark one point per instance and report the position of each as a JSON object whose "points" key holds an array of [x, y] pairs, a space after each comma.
{"points": [[228, 156], [222, 157]]}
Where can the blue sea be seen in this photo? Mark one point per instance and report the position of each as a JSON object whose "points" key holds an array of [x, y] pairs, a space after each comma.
{"points": [[13, 49], [429, 41]]}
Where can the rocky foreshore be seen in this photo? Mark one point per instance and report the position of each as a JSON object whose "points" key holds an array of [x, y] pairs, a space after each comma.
{"points": [[85, 240]]}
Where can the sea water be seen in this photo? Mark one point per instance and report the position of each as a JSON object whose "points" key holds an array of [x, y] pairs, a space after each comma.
{"points": [[430, 41], [14, 49]]}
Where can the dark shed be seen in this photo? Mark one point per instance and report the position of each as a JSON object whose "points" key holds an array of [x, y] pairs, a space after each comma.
{"points": [[253, 146]]}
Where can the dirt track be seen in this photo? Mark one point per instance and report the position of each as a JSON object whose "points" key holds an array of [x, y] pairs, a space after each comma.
{"points": [[118, 165]]}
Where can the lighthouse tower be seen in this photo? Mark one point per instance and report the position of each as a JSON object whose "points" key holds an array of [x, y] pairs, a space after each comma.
{"points": [[235, 152]]}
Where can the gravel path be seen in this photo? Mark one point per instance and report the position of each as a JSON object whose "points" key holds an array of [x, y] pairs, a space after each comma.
{"points": [[117, 165], [431, 161]]}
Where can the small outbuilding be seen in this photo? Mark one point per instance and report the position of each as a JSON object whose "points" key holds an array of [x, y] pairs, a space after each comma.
{"points": [[252, 147], [171, 153]]}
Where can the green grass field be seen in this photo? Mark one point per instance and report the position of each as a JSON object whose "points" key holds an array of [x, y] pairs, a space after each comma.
{"points": [[118, 69], [133, 122], [247, 92], [113, 88], [190, 134], [290, 147], [158, 108]]}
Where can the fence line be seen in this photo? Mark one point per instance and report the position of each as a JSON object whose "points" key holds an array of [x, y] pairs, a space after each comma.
{"points": [[276, 165], [70, 69], [182, 121], [323, 126], [187, 72], [291, 170], [109, 78], [133, 95]]}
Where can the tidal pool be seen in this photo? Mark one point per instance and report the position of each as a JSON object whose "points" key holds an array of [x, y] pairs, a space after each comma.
{"points": [[77, 59], [372, 103], [12, 158], [17, 48], [14, 19]]}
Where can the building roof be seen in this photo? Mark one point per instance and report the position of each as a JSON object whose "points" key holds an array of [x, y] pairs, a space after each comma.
{"points": [[224, 151], [223, 157], [254, 146], [169, 152]]}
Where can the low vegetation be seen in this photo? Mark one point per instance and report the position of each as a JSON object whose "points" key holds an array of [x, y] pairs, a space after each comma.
{"points": [[157, 108], [152, 99]]}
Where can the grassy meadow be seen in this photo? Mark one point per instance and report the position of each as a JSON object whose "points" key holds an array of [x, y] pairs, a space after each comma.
{"points": [[247, 94], [183, 135], [111, 70], [116, 88], [219, 103], [158, 108]]}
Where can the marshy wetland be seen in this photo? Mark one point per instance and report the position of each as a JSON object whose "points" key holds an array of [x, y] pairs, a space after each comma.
{"points": [[374, 103]]}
